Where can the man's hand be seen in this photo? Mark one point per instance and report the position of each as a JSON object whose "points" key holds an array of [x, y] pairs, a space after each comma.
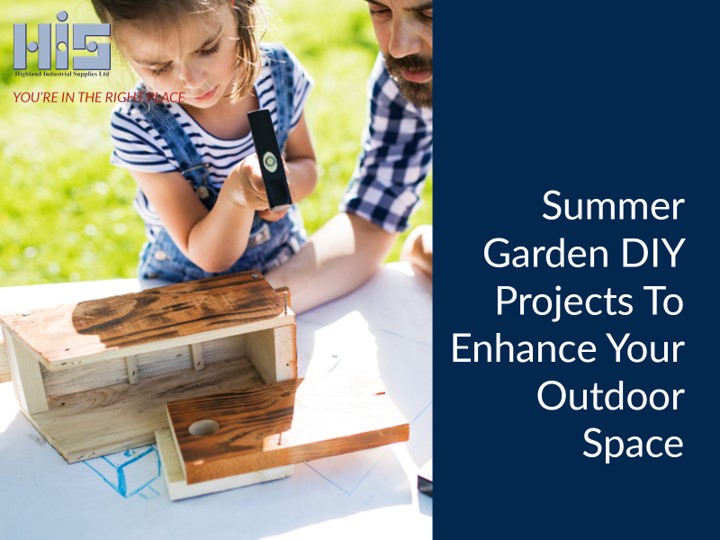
{"points": [[418, 249]]}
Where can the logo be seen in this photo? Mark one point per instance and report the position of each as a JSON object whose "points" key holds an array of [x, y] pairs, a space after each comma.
{"points": [[45, 45], [270, 161]]}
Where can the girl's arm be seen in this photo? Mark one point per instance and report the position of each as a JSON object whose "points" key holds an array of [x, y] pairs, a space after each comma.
{"points": [[212, 240], [300, 161], [215, 240]]}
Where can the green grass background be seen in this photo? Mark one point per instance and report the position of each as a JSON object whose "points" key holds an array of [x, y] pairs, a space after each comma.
{"points": [[66, 214]]}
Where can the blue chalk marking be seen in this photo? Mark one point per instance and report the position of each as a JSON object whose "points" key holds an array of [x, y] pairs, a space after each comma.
{"points": [[129, 472], [149, 493]]}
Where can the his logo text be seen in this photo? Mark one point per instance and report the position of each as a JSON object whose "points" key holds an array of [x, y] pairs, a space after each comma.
{"points": [[45, 45]]}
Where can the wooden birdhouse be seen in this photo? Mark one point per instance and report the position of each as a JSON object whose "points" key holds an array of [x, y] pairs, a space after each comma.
{"points": [[207, 369]]}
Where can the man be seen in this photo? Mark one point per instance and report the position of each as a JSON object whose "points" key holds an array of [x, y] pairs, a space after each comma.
{"points": [[392, 166]]}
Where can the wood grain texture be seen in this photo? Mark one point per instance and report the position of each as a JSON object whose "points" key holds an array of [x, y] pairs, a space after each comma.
{"points": [[154, 319], [332, 414], [26, 376], [285, 291], [113, 418], [178, 488], [273, 352], [196, 350], [111, 372], [4, 366], [132, 369]]}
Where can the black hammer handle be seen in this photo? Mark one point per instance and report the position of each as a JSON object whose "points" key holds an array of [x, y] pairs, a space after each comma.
{"points": [[271, 165]]}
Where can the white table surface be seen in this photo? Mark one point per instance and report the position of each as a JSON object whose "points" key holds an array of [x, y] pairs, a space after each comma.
{"points": [[385, 326]]}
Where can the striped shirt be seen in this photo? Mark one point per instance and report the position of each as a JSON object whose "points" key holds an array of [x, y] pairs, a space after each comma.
{"points": [[139, 147], [395, 159]]}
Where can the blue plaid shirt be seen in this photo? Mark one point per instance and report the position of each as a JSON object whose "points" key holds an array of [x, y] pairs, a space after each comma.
{"points": [[395, 157]]}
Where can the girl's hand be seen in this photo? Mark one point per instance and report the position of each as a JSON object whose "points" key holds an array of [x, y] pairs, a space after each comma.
{"points": [[246, 184], [268, 215], [248, 188]]}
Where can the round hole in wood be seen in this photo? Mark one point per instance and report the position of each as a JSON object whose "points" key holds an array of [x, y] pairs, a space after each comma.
{"points": [[203, 428]]}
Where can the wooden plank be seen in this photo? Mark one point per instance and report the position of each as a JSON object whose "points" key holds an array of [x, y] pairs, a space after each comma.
{"points": [[221, 349], [26, 376], [69, 381], [197, 356], [332, 414], [114, 418], [4, 366], [273, 352], [175, 315], [287, 297], [111, 372], [178, 488], [133, 376]]}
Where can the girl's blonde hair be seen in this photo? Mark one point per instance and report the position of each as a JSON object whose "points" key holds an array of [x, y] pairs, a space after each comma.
{"points": [[248, 60]]}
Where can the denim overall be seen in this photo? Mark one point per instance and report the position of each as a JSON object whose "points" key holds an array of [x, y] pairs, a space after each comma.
{"points": [[270, 243]]}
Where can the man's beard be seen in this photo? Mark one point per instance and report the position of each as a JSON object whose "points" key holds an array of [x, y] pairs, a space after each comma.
{"points": [[419, 94]]}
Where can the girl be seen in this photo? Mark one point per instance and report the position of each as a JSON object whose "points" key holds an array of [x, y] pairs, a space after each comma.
{"points": [[201, 193]]}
